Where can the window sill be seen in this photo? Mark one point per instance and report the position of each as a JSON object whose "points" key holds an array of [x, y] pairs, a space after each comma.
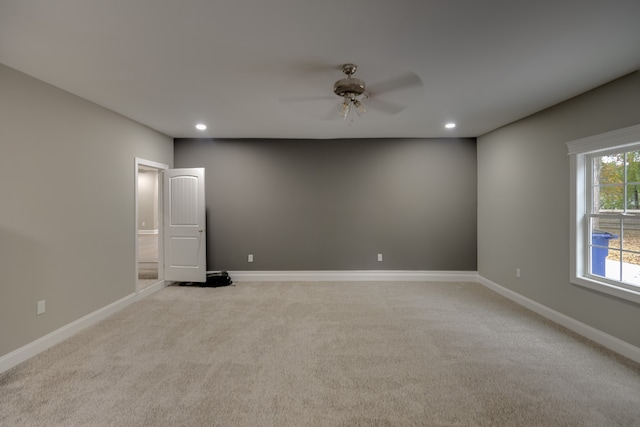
{"points": [[607, 288]]}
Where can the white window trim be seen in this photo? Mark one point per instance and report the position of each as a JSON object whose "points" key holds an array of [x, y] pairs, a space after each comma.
{"points": [[579, 152]]}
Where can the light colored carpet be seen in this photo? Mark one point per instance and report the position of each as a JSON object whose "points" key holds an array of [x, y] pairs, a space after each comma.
{"points": [[323, 354]]}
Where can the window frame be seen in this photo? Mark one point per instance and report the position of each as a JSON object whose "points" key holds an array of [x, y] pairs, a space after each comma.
{"points": [[581, 152]]}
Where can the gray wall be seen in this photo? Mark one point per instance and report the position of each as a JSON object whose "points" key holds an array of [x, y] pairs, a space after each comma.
{"points": [[336, 204], [67, 224], [523, 205], [148, 200]]}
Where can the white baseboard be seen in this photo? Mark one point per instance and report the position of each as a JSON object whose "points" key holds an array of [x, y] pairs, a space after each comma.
{"points": [[612, 343], [26, 352], [21, 354], [151, 290], [354, 275], [147, 231]]}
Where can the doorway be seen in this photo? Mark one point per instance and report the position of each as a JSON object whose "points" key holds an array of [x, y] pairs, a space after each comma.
{"points": [[148, 228]]}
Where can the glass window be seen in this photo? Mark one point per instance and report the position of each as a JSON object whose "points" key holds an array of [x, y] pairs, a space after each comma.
{"points": [[605, 212]]}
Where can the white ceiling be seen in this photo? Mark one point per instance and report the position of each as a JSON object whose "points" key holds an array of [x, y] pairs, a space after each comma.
{"points": [[229, 63]]}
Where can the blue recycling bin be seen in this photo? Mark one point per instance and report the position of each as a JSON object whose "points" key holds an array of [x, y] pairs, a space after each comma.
{"points": [[600, 250]]}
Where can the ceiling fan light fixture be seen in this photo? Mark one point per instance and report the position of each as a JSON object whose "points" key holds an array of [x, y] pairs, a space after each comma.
{"points": [[344, 108], [359, 106], [349, 89]]}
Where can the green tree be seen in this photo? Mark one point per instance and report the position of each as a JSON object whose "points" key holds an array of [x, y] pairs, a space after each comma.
{"points": [[633, 179], [610, 173]]}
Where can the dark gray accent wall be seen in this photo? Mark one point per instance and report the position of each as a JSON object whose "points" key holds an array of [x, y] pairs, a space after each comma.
{"points": [[336, 204]]}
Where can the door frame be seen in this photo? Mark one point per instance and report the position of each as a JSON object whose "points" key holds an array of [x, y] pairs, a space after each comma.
{"points": [[160, 167]]}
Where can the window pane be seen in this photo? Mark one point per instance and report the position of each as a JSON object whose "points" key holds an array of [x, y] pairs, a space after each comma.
{"points": [[631, 268], [609, 198], [633, 197], [631, 237], [612, 270], [633, 166], [608, 169], [611, 229], [603, 232], [607, 185]]}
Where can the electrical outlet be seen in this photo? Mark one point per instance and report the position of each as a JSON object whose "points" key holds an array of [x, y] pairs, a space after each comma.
{"points": [[40, 307], [379, 257], [250, 258], [518, 273]]}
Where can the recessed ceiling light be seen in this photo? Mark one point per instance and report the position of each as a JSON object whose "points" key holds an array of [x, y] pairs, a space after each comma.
{"points": [[450, 125], [201, 126]]}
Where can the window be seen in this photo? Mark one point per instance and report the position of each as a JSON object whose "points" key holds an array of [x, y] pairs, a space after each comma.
{"points": [[605, 212]]}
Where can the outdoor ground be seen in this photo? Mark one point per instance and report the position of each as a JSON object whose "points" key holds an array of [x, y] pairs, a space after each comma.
{"points": [[631, 242]]}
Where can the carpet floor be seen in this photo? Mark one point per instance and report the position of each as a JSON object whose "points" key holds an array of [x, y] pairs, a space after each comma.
{"points": [[323, 354]]}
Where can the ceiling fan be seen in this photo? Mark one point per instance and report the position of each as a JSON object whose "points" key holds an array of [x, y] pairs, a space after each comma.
{"points": [[356, 96], [353, 92]]}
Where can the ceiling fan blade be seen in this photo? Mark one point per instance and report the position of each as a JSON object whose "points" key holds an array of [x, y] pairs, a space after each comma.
{"points": [[289, 99], [403, 81], [383, 106]]}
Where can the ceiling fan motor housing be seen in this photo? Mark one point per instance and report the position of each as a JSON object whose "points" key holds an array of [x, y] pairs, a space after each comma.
{"points": [[348, 86], [351, 86]]}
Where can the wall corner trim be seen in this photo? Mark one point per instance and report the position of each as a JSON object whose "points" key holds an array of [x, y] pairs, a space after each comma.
{"points": [[354, 275], [612, 343]]}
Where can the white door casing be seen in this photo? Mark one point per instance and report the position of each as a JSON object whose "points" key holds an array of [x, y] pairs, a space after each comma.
{"points": [[184, 225], [158, 167]]}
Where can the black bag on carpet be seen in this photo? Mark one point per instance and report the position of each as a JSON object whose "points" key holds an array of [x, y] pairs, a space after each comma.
{"points": [[214, 280], [219, 278]]}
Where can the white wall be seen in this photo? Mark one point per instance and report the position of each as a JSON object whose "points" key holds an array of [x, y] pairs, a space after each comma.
{"points": [[148, 200], [67, 225], [523, 205]]}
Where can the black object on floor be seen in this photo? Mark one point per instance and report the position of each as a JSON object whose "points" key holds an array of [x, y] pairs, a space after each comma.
{"points": [[220, 278], [214, 280]]}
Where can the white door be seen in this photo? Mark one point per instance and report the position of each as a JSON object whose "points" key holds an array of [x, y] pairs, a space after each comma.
{"points": [[184, 225]]}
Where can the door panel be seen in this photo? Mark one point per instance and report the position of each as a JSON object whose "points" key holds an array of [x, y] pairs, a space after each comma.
{"points": [[184, 225]]}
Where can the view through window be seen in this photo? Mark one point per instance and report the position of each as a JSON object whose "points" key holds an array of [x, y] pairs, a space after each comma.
{"points": [[605, 212], [614, 217]]}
